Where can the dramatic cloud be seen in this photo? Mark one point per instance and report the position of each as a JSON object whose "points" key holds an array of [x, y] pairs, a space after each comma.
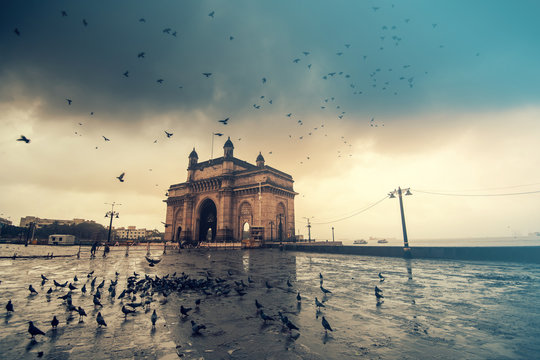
{"points": [[431, 95]]}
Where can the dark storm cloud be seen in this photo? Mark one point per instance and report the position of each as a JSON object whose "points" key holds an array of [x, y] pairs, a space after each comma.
{"points": [[401, 57]]}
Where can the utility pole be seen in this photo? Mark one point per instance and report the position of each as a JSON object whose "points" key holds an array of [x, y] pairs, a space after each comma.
{"points": [[111, 214], [392, 195], [332, 234], [308, 227]]}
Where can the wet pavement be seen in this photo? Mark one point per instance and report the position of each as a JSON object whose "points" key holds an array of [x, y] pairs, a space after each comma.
{"points": [[431, 309]]}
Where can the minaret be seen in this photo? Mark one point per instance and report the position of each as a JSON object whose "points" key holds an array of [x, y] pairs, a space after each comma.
{"points": [[193, 159], [228, 156], [228, 148], [260, 160]]}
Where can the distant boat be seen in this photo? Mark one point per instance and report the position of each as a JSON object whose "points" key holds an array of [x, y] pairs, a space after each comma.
{"points": [[382, 241], [359, 242]]}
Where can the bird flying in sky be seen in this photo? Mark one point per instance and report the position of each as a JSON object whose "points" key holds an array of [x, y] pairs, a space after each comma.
{"points": [[24, 138]]}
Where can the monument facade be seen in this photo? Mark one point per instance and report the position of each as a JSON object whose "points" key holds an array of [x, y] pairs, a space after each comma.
{"points": [[224, 199]]}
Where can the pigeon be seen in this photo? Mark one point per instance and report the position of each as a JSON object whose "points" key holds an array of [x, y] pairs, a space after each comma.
{"points": [[207, 74], [33, 330], [258, 304], [9, 306], [141, 55], [318, 303], [381, 277], [152, 262], [85, 23], [224, 121], [72, 287], [184, 311], [298, 297], [96, 302], [211, 14], [49, 291], [54, 322], [100, 320], [126, 74], [167, 31], [168, 134], [17, 32], [289, 283], [83, 289], [69, 101], [289, 324], [196, 328], [32, 290], [265, 317], [106, 139], [268, 286], [127, 311], [64, 13], [160, 81], [325, 291], [326, 325], [121, 177], [153, 318], [75, 279], [142, 20], [24, 138], [81, 312]]}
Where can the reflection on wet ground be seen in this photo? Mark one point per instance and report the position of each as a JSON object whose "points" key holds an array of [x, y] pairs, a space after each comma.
{"points": [[431, 309]]}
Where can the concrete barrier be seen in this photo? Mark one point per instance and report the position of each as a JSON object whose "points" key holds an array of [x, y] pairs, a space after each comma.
{"points": [[529, 254]]}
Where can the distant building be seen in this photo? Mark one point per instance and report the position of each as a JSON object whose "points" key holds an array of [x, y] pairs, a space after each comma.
{"points": [[25, 221], [59, 239], [228, 199], [5, 221], [130, 233]]}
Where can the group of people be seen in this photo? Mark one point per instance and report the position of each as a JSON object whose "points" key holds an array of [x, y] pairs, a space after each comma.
{"points": [[95, 247]]}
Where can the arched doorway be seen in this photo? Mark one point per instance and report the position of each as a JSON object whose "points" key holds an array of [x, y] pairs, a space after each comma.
{"points": [[281, 221], [207, 220], [245, 231]]}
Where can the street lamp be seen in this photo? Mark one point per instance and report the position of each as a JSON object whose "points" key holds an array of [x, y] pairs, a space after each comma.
{"points": [[332, 234], [392, 194], [111, 214]]}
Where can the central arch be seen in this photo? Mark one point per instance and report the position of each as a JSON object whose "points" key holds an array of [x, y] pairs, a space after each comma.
{"points": [[207, 220]]}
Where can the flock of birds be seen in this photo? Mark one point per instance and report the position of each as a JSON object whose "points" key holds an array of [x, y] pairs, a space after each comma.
{"points": [[379, 78], [142, 293]]}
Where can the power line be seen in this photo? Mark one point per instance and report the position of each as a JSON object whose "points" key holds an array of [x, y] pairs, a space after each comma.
{"points": [[492, 188], [476, 195], [354, 214]]}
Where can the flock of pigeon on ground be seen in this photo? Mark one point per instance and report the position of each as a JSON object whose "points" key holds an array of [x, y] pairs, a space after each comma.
{"points": [[142, 293]]}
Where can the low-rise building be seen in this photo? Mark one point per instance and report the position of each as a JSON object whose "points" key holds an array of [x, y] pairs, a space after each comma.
{"points": [[130, 233], [27, 220], [5, 221]]}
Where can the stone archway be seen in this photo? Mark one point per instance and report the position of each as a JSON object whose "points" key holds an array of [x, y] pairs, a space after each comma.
{"points": [[207, 220]]}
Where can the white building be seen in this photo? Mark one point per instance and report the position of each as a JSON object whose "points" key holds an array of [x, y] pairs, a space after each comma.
{"points": [[130, 233], [59, 239]]}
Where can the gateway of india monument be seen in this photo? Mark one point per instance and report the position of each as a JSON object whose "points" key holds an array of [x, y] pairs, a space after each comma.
{"points": [[228, 199]]}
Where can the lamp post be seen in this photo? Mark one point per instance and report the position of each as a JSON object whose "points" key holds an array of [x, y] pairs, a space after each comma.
{"points": [[111, 214], [392, 195], [271, 230], [280, 229], [332, 234]]}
